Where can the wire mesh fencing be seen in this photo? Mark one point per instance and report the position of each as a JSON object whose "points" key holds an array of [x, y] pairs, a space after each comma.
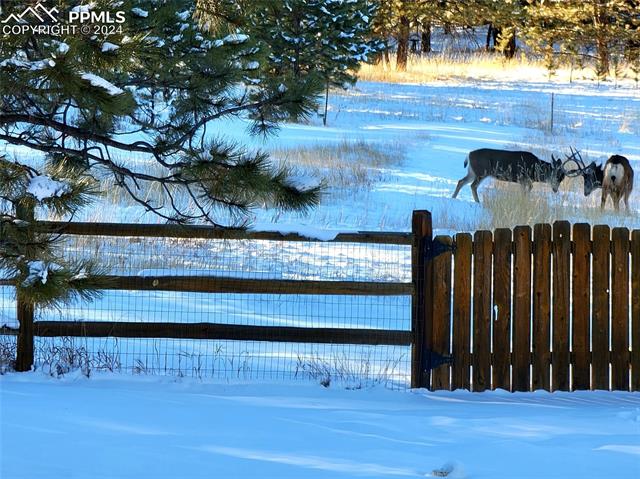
{"points": [[279, 309]]}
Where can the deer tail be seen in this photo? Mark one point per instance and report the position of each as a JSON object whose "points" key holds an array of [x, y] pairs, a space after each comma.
{"points": [[466, 161]]}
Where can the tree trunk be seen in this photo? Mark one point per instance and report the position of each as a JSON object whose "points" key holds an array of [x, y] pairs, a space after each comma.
{"points": [[425, 43], [490, 32], [25, 310], [602, 45], [510, 48], [326, 105], [402, 54]]}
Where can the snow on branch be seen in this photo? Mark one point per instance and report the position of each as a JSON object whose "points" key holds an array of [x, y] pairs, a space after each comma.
{"points": [[44, 187], [100, 82]]}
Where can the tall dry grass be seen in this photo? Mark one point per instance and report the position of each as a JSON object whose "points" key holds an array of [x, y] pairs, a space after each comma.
{"points": [[506, 205], [483, 66], [349, 164]]}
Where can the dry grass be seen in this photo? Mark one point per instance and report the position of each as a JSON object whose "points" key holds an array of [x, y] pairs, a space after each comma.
{"points": [[476, 66], [506, 205], [348, 164]]}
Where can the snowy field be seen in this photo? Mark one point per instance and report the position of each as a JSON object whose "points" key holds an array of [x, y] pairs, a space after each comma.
{"points": [[426, 130], [119, 426], [433, 127], [149, 428]]}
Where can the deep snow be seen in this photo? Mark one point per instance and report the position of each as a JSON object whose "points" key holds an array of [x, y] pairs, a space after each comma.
{"points": [[147, 427]]}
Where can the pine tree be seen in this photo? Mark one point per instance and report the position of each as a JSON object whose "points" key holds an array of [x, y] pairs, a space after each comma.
{"points": [[168, 80], [575, 29], [41, 275], [320, 40], [155, 89]]}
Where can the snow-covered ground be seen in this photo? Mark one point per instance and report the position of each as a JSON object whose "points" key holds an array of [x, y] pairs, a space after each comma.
{"points": [[151, 428], [119, 426], [431, 128]]}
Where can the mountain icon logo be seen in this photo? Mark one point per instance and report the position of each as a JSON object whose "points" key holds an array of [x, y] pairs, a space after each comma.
{"points": [[40, 12]]}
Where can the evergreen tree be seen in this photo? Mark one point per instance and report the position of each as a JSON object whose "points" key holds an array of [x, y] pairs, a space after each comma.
{"points": [[320, 40], [155, 89], [604, 31]]}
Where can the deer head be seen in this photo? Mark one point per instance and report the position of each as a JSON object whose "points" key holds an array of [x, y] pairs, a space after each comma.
{"points": [[592, 175]]}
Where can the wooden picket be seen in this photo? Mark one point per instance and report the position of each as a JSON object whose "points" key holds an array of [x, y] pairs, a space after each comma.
{"points": [[501, 371], [581, 299], [620, 309], [561, 306], [482, 253], [600, 305], [521, 309], [541, 307], [461, 337]]}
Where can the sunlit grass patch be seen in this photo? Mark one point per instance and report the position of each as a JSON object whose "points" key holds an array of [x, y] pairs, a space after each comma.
{"points": [[508, 207], [480, 65], [347, 164]]}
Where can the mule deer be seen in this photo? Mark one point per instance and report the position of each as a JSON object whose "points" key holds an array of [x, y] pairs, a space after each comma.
{"points": [[593, 175], [514, 166], [615, 179], [617, 182]]}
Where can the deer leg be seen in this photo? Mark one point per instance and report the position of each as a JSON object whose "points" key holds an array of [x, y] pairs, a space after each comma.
{"points": [[626, 200], [474, 189], [467, 179], [616, 201], [603, 201]]}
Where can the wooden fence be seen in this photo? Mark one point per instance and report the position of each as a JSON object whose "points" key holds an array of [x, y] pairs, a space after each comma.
{"points": [[554, 308], [29, 328]]}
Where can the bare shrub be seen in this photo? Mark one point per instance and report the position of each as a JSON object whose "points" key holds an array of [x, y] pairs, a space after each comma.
{"points": [[8, 350], [352, 372]]}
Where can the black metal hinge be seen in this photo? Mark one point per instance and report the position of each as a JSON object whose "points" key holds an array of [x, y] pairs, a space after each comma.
{"points": [[435, 247], [432, 360]]}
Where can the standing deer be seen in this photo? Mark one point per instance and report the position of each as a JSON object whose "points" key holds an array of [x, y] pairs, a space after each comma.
{"points": [[618, 181], [615, 179], [593, 175], [514, 166]]}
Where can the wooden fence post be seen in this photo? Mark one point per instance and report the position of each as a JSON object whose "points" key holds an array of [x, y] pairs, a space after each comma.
{"points": [[24, 354], [422, 275], [635, 310]]}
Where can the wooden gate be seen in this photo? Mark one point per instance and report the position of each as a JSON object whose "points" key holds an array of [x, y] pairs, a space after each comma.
{"points": [[555, 307]]}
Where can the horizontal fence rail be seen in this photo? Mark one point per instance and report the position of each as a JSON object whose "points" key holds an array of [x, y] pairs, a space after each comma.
{"points": [[231, 332], [210, 232]]}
